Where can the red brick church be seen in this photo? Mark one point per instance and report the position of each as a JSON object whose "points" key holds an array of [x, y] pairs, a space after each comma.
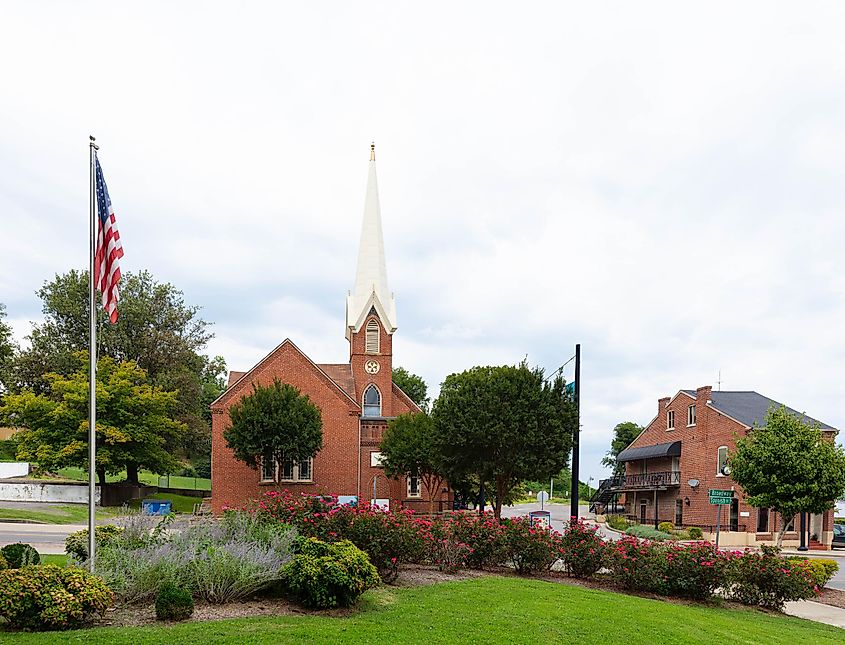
{"points": [[356, 398]]}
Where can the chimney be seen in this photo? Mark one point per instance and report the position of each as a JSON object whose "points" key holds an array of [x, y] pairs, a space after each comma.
{"points": [[662, 404], [702, 394]]}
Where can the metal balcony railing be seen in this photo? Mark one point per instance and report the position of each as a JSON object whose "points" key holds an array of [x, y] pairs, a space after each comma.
{"points": [[645, 480]]}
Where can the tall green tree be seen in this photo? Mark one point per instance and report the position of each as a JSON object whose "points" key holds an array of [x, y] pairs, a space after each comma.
{"points": [[134, 420], [7, 350], [788, 466], [156, 330], [409, 447], [413, 386], [503, 425], [623, 436], [275, 422]]}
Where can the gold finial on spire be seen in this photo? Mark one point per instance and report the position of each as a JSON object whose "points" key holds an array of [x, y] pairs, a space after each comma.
{"points": [[373, 151]]}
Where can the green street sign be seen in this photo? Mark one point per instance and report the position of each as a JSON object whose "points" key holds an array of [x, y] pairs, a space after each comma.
{"points": [[720, 497], [722, 501]]}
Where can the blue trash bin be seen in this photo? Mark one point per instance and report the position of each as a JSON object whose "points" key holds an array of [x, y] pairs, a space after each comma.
{"points": [[156, 507]]}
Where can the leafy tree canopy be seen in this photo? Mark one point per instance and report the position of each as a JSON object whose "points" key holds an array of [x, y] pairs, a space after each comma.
{"points": [[623, 435], [413, 386], [7, 349], [789, 466], [156, 330], [504, 425], [409, 447], [274, 422], [135, 427]]}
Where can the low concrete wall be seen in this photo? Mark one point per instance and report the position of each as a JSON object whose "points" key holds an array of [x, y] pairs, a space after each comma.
{"points": [[34, 490], [13, 469]]}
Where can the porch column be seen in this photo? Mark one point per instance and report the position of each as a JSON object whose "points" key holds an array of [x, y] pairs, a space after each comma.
{"points": [[655, 508]]}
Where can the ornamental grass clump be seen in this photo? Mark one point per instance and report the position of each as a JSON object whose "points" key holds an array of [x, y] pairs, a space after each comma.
{"points": [[50, 597], [581, 549]]}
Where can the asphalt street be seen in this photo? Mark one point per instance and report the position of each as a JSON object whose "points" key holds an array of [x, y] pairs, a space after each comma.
{"points": [[46, 538]]}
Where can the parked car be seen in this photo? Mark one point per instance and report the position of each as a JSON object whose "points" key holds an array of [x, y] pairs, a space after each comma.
{"points": [[838, 536]]}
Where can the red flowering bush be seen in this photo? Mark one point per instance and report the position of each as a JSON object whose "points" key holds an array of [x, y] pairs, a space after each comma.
{"points": [[483, 535], [768, 580], [528, 546], [695, 570], [581, 549], [638, 565]]}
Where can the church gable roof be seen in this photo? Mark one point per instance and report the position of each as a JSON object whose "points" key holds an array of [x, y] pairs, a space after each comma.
{"points": [[342, 375], [399, 392], [286, 345]]}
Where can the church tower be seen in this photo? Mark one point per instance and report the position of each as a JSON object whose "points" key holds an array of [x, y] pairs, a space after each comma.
{"points": [[371, 313]]}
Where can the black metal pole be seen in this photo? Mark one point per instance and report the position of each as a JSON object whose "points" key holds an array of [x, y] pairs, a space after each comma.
{"points": [[803, 546], [573, 508]]}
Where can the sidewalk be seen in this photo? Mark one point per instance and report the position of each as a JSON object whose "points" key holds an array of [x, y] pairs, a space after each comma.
{"points": [[817, 612]]}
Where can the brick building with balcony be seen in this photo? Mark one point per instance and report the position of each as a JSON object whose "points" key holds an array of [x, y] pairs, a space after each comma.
{"points": [[356, 398], [682, 453]]}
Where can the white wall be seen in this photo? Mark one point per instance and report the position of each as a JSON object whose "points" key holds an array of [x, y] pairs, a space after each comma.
{"points": [[32, 491], [13, 469]]}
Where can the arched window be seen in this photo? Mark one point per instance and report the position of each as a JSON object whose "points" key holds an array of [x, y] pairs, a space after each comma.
{"points": [[372, 337], [372, 402]]}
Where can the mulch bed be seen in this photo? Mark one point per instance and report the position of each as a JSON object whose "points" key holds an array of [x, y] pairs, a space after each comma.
{"points": [[832, 597]]}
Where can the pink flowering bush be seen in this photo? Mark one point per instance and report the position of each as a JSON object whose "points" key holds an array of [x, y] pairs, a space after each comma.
{"points": [[483, 535], [581, 549], [768, 580], [695, 570], [638, 565], [529, 547]]}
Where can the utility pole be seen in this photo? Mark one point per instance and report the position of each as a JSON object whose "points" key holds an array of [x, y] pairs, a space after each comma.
{"points": [[573, 508]]}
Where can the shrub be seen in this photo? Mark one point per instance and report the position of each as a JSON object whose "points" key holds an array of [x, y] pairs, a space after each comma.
{"points": [[647, 532], [76, 544], [202, 467], [324, 574], [3, 563], [666, 527], [639, 565], [173, 603], [695, 533], [529, 547], [483, 536], [20, 555], [51, 597], [617, 522], [581, 549], [768, 580], [822, 569], [695, 570]]}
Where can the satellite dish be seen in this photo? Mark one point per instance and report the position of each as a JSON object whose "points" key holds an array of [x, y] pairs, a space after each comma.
{"points": [[726, 470], [693, 483]]}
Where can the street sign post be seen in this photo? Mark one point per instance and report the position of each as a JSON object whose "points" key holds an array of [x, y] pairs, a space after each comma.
{"points": [[719, 498], [542, 497]]}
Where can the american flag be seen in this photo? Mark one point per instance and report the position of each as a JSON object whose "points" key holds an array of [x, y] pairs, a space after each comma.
{"points": [[109, 250]]}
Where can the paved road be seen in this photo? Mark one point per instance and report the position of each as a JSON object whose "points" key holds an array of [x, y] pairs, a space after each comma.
{"points": [[46, 538]]}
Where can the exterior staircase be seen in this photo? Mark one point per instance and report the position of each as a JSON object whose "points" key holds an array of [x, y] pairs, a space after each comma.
{"points": [[815, 545]]}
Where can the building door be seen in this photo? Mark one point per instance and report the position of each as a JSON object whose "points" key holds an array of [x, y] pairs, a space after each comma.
{"points": [[734, 519], [642, 511]]}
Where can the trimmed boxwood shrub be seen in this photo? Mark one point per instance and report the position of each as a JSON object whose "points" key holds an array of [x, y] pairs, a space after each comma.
{"points": [[695, 533], [666, 527], [76, 544], [20, 555], [173, 603], [617, 522], [51, 597], [329, 574], [3, 563]]}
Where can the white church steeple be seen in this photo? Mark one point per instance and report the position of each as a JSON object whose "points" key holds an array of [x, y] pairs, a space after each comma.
{"points": [[371, 290]]}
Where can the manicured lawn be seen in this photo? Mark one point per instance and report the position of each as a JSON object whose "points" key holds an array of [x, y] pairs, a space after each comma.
{"points": [[59, 559], [151, 479], [484, 610], [54, 514]]}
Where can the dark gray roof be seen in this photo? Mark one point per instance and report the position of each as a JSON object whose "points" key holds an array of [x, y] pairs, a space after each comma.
{"points": [[671, 449], [750, 408]]}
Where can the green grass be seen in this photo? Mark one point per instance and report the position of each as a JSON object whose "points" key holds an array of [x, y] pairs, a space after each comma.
{"points": [[59, 559], [647, 532], [181, 503], [483, 610], [54, 514], [151, 479]]}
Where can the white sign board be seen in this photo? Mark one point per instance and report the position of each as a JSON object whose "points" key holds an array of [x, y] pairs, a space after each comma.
{"points": [[383, 504], [375, 460]]}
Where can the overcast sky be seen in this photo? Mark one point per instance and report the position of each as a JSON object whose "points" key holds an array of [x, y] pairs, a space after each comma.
{"points": [[659, 182]]}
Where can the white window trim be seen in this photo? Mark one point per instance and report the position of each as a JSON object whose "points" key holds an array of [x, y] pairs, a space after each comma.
{"points": [[419, 487], [691, 413], [719, 472], [670, 420], [295, 478], [372, 327]]}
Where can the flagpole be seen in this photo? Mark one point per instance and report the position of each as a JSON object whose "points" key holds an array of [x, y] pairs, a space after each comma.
{"points": [[92, 356]]}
